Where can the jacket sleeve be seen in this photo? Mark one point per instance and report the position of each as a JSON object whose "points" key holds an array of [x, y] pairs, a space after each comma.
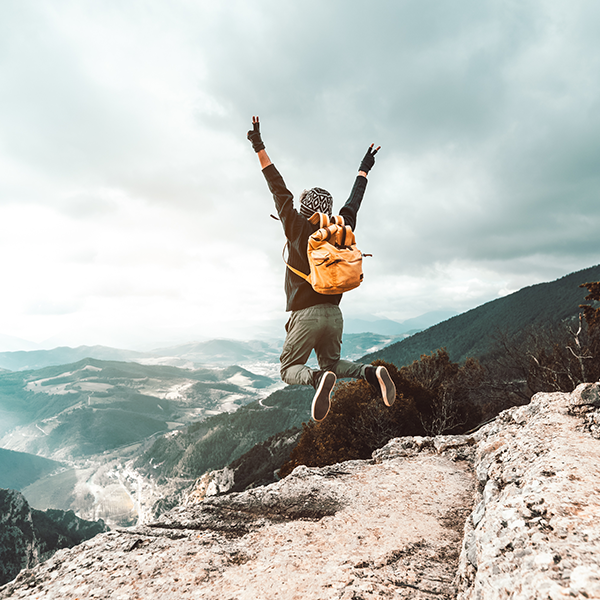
{"points": [[297, 229], [292, 221], [353, 203]]}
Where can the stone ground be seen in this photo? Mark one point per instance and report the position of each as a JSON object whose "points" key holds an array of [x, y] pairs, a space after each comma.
{"points": [[511, 512], [535, 532], [390, 528]]}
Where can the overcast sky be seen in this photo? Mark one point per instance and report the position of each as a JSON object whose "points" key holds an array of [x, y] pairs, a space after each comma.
{"points": [[133, 212]]}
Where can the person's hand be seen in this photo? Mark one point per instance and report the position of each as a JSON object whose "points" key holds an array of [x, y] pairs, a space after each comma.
{"points": [[254, 136], [369, 159]]}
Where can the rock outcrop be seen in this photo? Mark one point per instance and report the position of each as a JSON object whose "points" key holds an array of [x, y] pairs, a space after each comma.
{"points": [[535, 530], [18, 549], [374, 528], [508, 512], [28, 536], [257, 467]]}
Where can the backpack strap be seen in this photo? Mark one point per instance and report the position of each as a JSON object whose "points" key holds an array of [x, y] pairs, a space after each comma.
{"points": [[323, 220], [346, 237], [299, 273], [320, 220], [324, 234]]}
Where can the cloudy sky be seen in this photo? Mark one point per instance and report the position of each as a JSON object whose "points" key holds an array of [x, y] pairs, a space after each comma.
{"points": [[133, 212]]}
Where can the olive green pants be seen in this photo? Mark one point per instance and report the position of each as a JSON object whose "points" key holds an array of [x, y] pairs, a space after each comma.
{"points": [[320, 328]]}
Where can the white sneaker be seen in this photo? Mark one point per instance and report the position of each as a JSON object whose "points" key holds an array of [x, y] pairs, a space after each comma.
{"points": [[324, 382]]}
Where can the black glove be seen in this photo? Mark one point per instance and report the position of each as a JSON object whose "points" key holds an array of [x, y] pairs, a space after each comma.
{"points": [[254, 136], [369, 160]]}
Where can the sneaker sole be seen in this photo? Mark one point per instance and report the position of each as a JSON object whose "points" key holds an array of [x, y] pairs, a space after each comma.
{"points": [[321, 402], [388, 389]]}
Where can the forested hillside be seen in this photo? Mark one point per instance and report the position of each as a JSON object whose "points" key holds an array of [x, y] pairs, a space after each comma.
{"points": [[19, 469], [92, 406], [218, 440], [472, 333]]}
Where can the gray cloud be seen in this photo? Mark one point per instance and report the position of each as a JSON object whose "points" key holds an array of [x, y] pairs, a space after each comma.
{"points": [[495, 85], [129, 120]]}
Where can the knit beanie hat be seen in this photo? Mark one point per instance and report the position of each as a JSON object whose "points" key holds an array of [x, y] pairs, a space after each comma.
{"points": [[315, 200]]}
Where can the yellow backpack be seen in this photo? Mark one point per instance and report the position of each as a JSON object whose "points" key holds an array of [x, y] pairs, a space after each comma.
{"points": [[335, 261]]}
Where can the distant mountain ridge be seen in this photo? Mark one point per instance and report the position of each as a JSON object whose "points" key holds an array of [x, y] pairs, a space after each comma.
{"points": [[396, 328], [470, 333], [216, 352], [92, 406], [23, 360], [11, 343]]}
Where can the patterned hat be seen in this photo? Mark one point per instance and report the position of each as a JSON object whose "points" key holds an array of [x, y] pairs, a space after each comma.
{"points": [[315, 200]]}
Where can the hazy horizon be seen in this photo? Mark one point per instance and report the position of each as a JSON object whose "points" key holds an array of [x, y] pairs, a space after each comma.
{"points": [[13, 344]]}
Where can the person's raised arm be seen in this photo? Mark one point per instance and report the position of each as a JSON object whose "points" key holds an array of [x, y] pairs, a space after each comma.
{"points": [[257, 144], [368, 161], [350, 209]]}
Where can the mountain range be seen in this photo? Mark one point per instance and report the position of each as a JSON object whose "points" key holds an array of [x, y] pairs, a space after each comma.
{"points": [[92, 406], [26, 354], [193, 355], [94, 416], [396, 328], [472, 333]]}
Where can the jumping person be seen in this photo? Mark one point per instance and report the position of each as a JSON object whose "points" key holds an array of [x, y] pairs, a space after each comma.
{"points": [[316, 319]]}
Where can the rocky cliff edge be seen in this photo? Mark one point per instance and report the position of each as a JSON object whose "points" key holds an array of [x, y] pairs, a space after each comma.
{"points": [[511, 511]]}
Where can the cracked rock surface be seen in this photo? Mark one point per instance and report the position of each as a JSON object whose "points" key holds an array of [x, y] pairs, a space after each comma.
{"points": [[386, 528], [535, 530]]}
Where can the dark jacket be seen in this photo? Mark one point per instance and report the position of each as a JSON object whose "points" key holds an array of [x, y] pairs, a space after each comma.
{"points": [[298, 229]]}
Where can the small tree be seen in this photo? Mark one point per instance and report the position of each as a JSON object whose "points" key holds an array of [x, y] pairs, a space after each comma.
{"points": [[571, 352], [454, 391], [591, 313]]}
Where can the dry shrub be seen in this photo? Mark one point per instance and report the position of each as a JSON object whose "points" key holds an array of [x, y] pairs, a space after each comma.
{"points": [[431, 398]]}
